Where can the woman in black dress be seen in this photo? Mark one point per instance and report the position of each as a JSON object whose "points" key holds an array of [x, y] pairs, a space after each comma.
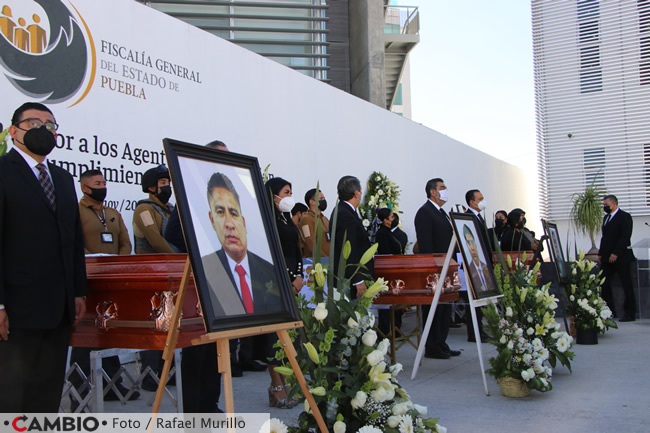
{"points": [[513, 238], [388, 244], [283, 202]]}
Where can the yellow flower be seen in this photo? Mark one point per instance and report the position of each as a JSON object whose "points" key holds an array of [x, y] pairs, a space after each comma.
{"points": [[378, 286], [319, 275], [370, 252], [347, 249], [285, 371], [312, 352], [319, 390], [540, 330]]}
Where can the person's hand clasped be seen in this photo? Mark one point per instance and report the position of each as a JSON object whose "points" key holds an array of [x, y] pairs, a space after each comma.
{"points": [[297, 285], [4, 325], [612, 258], [79, 308]]}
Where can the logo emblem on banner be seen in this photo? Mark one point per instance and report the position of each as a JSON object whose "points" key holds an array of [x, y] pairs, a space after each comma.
{"points": [[48, 63]]}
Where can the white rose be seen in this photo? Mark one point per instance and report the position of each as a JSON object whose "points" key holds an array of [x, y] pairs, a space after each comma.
{"points": [[320, 313], [422, 410], [441, 428], [530, 331], [369, 338], [383, 346], [380, 394], [366, 223], [525, 375], [509, 311], [589, 292], [352, 323], [339, 427], [530, 319], [359, 400], [510, 344], [375, 357], [400, 409], [396, 369], [393, 421]]}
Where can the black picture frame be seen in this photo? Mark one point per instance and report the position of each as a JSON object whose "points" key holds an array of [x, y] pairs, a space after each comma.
{"points": [[244, 222], [555, 250], [481, 277]]}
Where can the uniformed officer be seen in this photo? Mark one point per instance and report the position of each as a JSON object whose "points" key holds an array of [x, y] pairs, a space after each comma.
{"points": [[151, 215]]}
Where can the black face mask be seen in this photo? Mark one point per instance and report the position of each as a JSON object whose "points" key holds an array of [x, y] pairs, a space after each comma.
{"points": [[523, 222], [322, 205], [498, 223], [394, 223], [607, 209], [39, 141], [164, 192], [97, 194]]}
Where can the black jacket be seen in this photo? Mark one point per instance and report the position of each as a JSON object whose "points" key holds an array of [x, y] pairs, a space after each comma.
{"points": [[432, 229], [349, 223], [616, 237]]}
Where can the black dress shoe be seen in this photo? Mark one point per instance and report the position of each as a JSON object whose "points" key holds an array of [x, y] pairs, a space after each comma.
{"points": [[627, 319], [453, 352], [436, 355], [252, 366], [236, 371]]}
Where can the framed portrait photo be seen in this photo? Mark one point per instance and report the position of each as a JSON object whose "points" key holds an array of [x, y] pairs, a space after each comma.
{"points": [[561, 266], [476, 255], [231, 238]]}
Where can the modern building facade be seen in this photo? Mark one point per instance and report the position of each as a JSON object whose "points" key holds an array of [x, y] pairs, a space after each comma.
{"points": [[359, 46], [592, 88]]}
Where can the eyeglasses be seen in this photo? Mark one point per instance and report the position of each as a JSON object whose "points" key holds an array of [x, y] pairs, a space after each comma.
{"points": [[37, 123]]}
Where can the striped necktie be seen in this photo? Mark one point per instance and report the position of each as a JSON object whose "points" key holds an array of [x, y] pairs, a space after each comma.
{"points": [[46, 184]]}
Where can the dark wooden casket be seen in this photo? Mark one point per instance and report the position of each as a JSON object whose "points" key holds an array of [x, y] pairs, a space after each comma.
{"points": [[130, 303], [416, 271]]}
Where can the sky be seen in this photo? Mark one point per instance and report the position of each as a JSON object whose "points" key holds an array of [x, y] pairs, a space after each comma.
{"points": [[472, 75]]}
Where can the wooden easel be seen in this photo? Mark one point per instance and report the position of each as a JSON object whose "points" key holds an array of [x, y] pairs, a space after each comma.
{"points": [[472, 305], [222, 340]]}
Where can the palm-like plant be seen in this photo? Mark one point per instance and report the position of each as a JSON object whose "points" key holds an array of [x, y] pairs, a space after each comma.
{"points": [[587, 211]]}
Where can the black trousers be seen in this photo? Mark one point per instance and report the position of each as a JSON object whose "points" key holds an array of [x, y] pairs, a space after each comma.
{"points": [[624, 272], [437, 339], [201, 379], [32, 369]]}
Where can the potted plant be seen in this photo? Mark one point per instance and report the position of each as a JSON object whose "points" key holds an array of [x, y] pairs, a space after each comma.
{"points": [[528, 339], [590, 312], [587, 213]]}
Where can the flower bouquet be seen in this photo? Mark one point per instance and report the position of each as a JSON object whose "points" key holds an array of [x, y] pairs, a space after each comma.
{"points": [[528, 339], [345, 365], [589, 310], [381, 193]]}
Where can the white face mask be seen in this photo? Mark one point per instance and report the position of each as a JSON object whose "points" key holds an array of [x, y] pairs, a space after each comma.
{"points": [[444, 195], [286, 204], [482, 205]]}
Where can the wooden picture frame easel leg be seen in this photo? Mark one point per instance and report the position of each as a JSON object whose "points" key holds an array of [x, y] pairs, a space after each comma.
{"points": [[434, 306]]}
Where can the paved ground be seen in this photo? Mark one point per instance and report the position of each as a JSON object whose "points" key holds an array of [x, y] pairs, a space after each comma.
{"points": [[609, 390]]}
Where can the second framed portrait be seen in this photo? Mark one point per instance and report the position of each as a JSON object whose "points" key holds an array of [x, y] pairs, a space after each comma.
{"points": [[230, 237], [476, 255], [561, 266]]}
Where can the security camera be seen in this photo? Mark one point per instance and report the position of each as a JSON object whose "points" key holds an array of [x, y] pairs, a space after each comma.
{"points": [[570, 135]]}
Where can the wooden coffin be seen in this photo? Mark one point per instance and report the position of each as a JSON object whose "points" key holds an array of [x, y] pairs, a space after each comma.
{"points": [[119, 310], [413, 270], [514, 256]]}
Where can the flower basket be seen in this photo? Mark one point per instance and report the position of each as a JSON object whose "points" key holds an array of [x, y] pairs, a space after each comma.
{"points": [[513, 388], [589, 336]]}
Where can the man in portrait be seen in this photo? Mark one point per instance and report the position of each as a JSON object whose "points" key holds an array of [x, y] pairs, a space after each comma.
{"points": [[240, 281], [479, 272]]}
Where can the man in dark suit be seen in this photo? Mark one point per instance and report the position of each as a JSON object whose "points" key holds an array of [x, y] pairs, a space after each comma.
{"points": [[246, 282], [348, 224], [434, 233], [615, 256], [399, 234], [42, 267], [476, 203]]}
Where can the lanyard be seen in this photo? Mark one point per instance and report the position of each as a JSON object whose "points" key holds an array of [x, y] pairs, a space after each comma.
{"points": [[102, 219]]}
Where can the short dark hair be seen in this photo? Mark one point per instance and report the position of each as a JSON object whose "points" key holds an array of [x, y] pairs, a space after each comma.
{"points": [[383, 213], [275, 185], [216, 144], [17, 117], [505, 214], [220, 180], [310, 195], [432, 184], [469, 195], [347, 186], [299, 207], [89, 173], [611, 197]]}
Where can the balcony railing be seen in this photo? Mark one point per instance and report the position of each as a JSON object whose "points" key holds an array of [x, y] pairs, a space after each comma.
{"points": [[403, 20]]}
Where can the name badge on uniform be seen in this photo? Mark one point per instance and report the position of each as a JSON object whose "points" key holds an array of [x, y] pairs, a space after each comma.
{"points": [[107, 237]]}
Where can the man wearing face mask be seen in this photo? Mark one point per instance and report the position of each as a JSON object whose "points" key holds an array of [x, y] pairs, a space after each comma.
{"points": [[308, 224], [151, 215], [42, 266], [349, 224], [434, 233], [476, 203], [103, 227]]}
